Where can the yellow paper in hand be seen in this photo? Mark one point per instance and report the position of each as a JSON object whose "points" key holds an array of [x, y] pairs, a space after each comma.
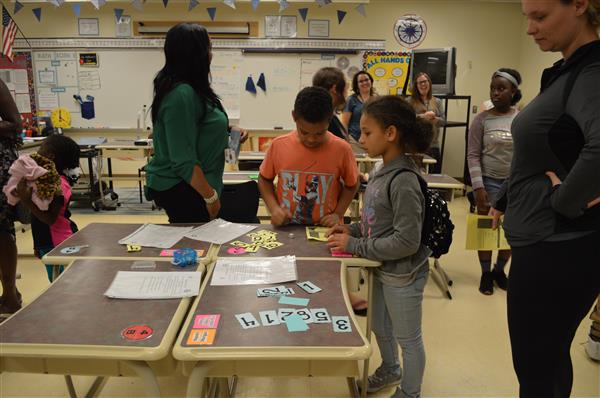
{"points": [[481, 236], [316, 233]]}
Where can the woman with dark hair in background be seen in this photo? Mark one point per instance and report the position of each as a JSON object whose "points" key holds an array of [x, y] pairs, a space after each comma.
{"points": [[190, 130], [362, 86], [428, 108], [489, 154], [552, 199], [10, 140]]}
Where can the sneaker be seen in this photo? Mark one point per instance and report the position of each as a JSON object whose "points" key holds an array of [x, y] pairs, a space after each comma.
{"points": [[486, 284], [382, 378], [500, 278]]}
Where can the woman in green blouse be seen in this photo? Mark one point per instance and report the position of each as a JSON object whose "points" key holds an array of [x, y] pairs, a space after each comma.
{"points": [[190, 130]]}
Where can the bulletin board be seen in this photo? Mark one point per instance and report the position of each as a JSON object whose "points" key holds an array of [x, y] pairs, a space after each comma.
{"points": [[121, 83], [390, 70], [18, 76]]}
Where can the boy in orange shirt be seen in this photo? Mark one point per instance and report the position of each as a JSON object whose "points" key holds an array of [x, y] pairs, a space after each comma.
{"points": [[317, 176]]}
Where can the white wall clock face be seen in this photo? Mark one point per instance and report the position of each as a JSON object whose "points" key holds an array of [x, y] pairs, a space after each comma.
{"points": [[410, 30]]}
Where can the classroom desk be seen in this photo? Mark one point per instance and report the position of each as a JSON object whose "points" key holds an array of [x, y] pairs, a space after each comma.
{"points": [[443, 182], [127, 150], [239, 177], [73, 329], [273, 351], [366, 162], [296, 243], [102, 239]]}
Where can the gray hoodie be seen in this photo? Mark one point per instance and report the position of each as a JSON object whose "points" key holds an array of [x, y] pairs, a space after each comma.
{"points": [[390, 231]]}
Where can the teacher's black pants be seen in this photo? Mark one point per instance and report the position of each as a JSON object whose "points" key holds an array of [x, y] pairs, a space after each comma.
{"points": [[182, 203], [551, 288]]}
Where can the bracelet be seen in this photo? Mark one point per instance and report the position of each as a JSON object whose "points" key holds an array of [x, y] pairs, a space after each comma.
{"points": [[212, 199]]}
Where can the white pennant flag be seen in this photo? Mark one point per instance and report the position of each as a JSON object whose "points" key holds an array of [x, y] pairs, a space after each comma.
{"points": [[230, 3], [283, 4], [361, 10], [137, 4]]}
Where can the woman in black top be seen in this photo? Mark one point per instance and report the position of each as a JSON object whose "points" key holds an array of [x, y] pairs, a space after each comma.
{"points": [[552, 214]]}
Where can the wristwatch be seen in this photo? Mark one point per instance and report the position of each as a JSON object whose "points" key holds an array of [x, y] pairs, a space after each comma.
{"points": [[212, 199]]}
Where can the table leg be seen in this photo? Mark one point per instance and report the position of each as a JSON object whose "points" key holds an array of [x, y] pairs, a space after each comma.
{"points": [[440, 278], [70, 386], [196, 382], [147, 375], [96, 387], [365, 376], [352, 387]]}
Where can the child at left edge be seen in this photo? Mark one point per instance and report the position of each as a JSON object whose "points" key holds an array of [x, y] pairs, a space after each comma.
{"points": [[51, 227]]}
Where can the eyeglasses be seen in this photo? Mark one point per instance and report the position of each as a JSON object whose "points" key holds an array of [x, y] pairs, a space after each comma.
{"points": [[423, 82], [364, 81]]}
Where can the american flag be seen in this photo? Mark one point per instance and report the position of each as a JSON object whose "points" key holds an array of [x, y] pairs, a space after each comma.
{"points": [[9, 32]]}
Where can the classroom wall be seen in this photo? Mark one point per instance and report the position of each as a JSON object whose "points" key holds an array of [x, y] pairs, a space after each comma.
{"points": [[487, 35]]}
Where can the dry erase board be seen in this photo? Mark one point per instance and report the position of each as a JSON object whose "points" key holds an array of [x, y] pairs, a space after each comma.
{"points": [[122, 83]]}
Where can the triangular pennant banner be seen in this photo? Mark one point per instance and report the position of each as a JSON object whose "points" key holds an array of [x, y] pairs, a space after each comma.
{"points": [[165, 2], [98, 3], [230, 3], [18, 7], [38, 13], [118, 14], [255, 4], [262, 83], [361, 10], [323, 3], [137, 4], [212, 11], [250, 87], [303, 13], [283, 4], [192, 5], [55, 3], [76, 9], [341, 14]]}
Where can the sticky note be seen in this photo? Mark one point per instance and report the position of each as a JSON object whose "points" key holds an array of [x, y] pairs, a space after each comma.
{"points": [[269, 318], [206, 321], [303, 302], [341, 254], [247, 320], [134, 248], [201, 336], [341, 324], [295, 323], [309, 287]]}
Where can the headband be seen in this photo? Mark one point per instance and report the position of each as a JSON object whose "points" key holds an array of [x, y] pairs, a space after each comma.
{"points": [[508, 77]]}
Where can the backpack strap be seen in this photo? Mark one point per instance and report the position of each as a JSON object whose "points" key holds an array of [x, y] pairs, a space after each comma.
{"points": [[422, 183]]}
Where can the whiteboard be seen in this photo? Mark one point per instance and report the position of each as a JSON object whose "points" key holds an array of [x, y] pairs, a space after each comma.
{"points": [[122, 83]]}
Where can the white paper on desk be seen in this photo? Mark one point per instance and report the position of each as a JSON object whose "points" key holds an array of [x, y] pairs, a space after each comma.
{"points": [[219, 231], [154, 285], [151, 235], [253, 271]]}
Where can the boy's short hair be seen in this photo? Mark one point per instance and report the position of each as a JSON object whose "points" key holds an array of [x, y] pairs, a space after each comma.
{"points": [[328, 77], [313, 104]]}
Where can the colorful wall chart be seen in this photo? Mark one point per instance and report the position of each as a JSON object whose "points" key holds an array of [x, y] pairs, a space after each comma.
{"points": [[389, 70]]}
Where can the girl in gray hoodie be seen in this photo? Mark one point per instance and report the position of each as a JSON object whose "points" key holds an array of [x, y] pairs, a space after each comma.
{"points": [[390, 232]]}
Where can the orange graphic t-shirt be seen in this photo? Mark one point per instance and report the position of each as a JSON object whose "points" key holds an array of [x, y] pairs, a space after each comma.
{"points": [[309, 180]]}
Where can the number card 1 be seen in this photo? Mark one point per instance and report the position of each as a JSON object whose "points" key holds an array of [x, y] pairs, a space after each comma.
{"points": [[309, 287]]}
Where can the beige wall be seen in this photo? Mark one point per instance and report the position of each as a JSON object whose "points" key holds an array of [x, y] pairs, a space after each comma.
{"points": [[487, 35]]}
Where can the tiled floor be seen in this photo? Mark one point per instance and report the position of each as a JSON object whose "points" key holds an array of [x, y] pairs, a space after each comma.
{"points": [[468, 352]]}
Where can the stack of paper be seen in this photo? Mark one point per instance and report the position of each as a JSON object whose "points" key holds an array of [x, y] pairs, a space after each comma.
{"points": [[254, 271], [219, 231], [154, 285], [151, 235]]}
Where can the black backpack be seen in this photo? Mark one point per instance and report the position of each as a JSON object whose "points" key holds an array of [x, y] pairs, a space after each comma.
{"points": [[437, 226]]}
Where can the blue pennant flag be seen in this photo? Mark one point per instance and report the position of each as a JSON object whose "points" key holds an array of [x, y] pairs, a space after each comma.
{"points": [[250, 87], [118, 14], [137, 4], [192, 5], [18, 7], [262, 83], [38, 13], [165, 2], [361, 10], [255, 4], [303, 13], [212, 11], [76, 9], [341, 14]]}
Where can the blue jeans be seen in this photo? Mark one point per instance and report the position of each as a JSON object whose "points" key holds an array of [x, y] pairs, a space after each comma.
{"points": [[492, 187], [397, 313]]}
